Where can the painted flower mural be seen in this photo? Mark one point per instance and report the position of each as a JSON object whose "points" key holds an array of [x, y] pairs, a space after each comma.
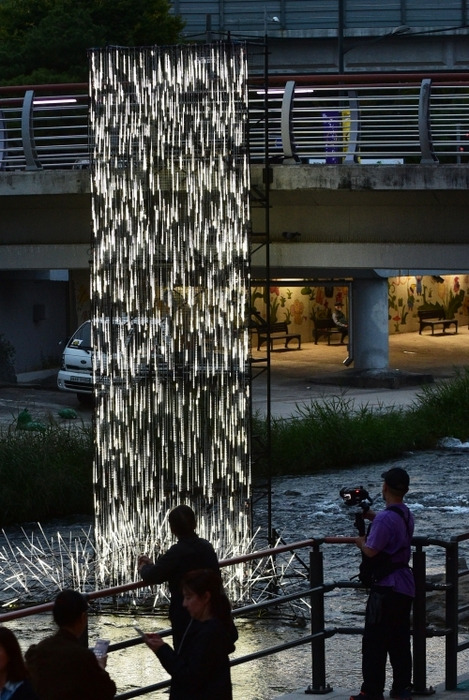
{"points": [[297, 311]]}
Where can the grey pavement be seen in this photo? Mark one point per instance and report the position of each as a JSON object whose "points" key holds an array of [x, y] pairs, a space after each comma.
{"points": [[317, 373], [440, 693], [38, 393]]}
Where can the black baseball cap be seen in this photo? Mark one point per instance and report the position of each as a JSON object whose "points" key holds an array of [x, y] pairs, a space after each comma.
{"points": [[396, 478]]}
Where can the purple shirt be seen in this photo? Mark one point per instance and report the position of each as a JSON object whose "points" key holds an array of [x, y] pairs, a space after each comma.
{"points": [[392, 534]]}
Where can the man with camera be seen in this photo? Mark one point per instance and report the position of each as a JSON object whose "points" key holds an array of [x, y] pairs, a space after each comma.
{"points": [[386, 551]]}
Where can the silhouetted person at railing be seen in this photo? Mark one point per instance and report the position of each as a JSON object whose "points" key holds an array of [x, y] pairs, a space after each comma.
{"points": [[190, 552], [199, 667], [340, 320], [387, 549], [61, 666], [14, 683]]}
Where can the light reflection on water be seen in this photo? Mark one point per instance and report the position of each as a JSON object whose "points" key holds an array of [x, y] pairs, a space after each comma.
{"points": [[308, 506]]}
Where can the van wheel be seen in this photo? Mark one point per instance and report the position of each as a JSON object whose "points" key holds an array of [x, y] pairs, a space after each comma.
{"points": [[86, 399]]}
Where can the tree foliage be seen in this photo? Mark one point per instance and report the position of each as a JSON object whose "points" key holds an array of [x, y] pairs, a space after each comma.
{"points": [[46, 41]]}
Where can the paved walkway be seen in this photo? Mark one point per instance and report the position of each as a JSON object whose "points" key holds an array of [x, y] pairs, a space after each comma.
{"points": [[462, 693], [317, 372]]}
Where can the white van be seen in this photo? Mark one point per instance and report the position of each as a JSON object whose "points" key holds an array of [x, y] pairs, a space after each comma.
{"points": [[76, 371]]}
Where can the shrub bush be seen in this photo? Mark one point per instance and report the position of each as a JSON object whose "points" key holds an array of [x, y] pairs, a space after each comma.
{"points": [[45, 474]]}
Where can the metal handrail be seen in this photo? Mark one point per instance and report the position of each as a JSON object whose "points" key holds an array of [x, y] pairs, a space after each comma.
{"points": [[397, 118], [316, 591]]}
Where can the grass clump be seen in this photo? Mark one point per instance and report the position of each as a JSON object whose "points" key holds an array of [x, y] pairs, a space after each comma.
{"points": [[442, 410], [340, 434], [336, 434], [45, 474]]}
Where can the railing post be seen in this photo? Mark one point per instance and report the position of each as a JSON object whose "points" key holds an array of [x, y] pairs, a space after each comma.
{"points": [[27, 134], [420, 623], [351, 154], [426, 145], [289, 155], [452, 604], [318, 644], [3, 140]]}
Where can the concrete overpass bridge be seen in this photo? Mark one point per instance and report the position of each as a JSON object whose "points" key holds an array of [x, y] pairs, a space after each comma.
{"points": [[357, 205], [351, 220]]}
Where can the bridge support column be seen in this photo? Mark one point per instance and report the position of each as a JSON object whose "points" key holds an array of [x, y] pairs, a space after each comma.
{"points": [[370, 334]]}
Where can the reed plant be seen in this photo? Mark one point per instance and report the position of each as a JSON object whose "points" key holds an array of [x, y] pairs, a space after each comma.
{"points": [[336, 434], [442, 410]]}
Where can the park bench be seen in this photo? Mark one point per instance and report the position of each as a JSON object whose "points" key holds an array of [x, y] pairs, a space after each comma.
{"points": [[276, 331], [434, 317], [326, 327]]}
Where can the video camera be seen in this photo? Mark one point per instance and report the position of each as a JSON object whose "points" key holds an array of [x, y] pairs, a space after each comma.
{"points": [[356, 497], [361, 499]]}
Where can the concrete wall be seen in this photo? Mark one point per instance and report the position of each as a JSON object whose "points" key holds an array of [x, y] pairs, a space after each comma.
{"points": [[354, 221], [33, 318]]}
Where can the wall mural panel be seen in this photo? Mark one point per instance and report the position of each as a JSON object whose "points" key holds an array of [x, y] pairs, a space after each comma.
{"points": [[169, 287], [300, 306], [407, 295]]}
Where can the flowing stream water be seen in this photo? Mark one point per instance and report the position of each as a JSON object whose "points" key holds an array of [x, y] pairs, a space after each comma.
{"points": [[303, 507]]}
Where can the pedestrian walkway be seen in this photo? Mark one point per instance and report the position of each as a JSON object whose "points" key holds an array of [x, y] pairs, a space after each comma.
{"points": [[340, 694], [317, 373], [314, 373]]}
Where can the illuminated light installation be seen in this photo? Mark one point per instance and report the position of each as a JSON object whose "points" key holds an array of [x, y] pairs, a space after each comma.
{"points": [[170, 281]]}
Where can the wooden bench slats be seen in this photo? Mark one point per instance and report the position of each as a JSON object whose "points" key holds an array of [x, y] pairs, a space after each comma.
{"points": [[326, 327], [278, 331], [434, 317]]}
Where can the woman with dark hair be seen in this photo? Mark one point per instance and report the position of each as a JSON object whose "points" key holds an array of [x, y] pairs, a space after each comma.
{"points": [[200, 667], [14, 683]]}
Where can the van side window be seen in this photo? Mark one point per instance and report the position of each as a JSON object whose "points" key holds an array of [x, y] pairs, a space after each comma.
{"points": [[82, 337]]}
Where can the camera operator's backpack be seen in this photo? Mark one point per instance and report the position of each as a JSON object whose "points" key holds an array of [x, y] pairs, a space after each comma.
{"points": [[373, 569]]}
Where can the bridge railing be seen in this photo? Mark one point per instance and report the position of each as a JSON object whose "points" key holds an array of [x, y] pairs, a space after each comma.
{"points": [[362, 119], [44, 127], [311, 591], [348, 119]]}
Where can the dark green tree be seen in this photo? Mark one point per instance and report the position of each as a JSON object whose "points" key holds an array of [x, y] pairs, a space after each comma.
{"points": [[46, 41]]}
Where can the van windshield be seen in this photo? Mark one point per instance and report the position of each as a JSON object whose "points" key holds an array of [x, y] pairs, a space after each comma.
{"points": [[82, 337]]}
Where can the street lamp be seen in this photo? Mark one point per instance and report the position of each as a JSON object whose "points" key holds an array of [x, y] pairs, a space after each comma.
{"points": [[267, 19]]}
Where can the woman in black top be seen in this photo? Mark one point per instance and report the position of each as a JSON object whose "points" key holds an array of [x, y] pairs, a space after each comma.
{"points": [[200, 667]]}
